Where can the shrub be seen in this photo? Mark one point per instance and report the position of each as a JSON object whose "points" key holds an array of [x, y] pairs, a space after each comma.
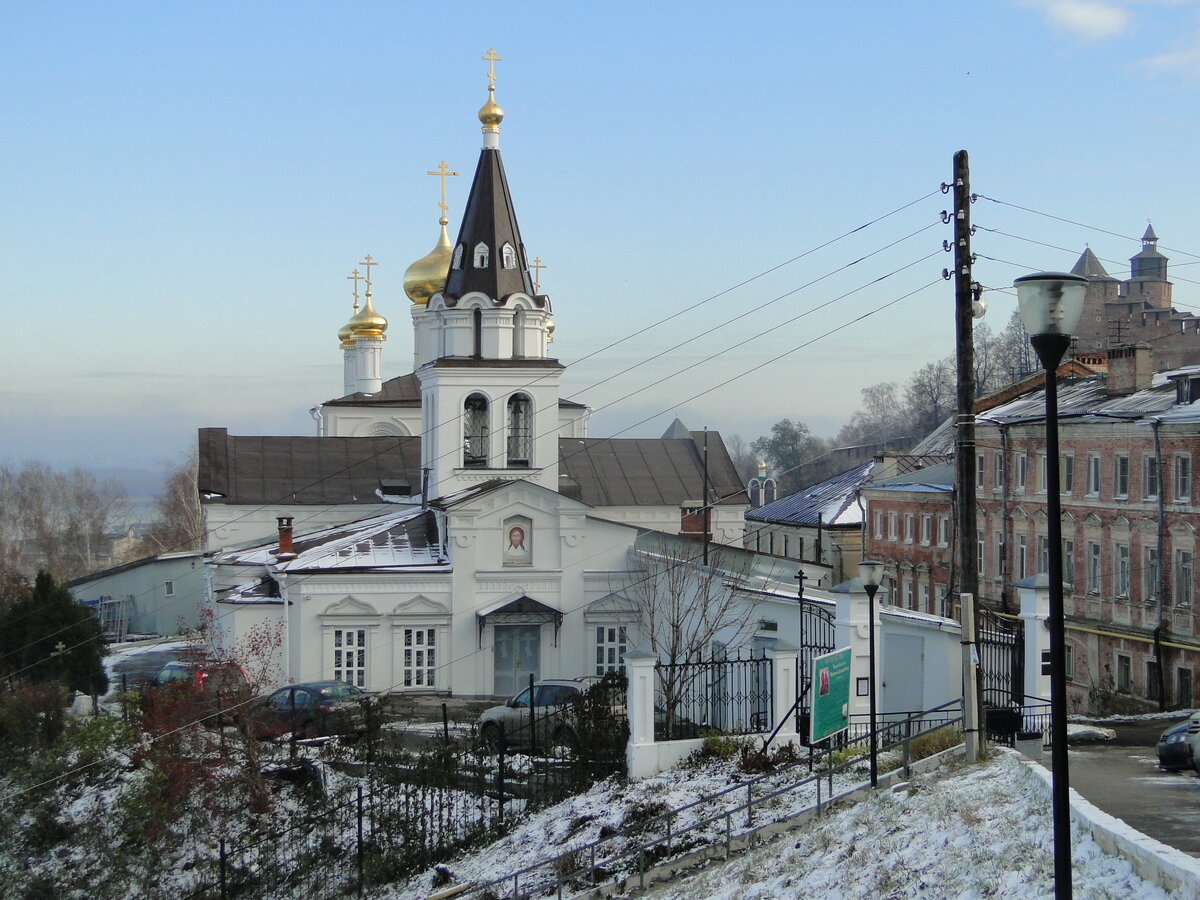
{"points": [[935, 742]]}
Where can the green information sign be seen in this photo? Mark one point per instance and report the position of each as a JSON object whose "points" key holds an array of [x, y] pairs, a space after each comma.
{"points": [[830, 694]]}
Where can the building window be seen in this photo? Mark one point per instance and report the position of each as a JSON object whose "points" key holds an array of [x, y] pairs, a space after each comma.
{"points": [[1183, 688], [170, 588], [1152, 691], [908, 528], [1093, 477], [878, 525], [508, 256], [520, 431], [892, 519], [979, 562], [943, 531], [350, 656], [1093, 568], [1150, 574], [420, 661], [1124, 674], [1022, 565], [1068, 561], [1066, 474], [998, 471], [1149, 477], [979, 482], [1069, 653], [475, 431], [481, 255], [908, 594], [1041, 473], [611, 644], [1183, 577], [1020, 473], [1183, 477], [926, 530], [1043, 554], [1122, 570], [1121, 476], [924, 599]]}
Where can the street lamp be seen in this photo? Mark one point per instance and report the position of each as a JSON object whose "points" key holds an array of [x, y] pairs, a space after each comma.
{"points": [[870, 573], [1051, 303], [802, 667]]}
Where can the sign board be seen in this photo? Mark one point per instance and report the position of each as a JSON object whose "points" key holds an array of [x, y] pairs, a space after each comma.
{"points": [[830, 694]]}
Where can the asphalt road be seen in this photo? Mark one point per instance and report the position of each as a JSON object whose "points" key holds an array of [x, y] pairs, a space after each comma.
{"points": [[1122, 778]]}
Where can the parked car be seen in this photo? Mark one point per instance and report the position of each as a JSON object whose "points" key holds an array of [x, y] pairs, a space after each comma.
{"points": [[312, 709], [553, 720], [221, 687], [1174, 751]]}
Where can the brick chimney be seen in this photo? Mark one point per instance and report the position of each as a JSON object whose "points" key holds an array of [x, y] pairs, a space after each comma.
{"points": [[691, 519], [285, 552], [1130, 369]]}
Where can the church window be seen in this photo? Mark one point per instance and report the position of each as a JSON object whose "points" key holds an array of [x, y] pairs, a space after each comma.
{"points": [[477, 333], [350, 656], [508, 256], [420, 661], [611, 644], [475, 426], [520, 431], [755, 493], [458, 252], [481, 255]]}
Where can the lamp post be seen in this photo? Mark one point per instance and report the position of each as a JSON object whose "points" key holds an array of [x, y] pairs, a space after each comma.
{"points": [[870, 573], [1051, 303]]}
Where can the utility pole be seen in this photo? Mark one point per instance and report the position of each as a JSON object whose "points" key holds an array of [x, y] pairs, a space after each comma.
{"points": [[968, 538]]}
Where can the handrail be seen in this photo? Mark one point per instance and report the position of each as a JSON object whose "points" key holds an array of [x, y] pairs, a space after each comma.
{"points": [[747, 786]]}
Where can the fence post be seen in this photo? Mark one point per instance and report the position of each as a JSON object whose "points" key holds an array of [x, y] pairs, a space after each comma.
{"points": [[818, 795], [786, 675], [532, 721], [500, 779], [749, 806], [224, 894], [445, 724], [360, 840], [639, 707]]}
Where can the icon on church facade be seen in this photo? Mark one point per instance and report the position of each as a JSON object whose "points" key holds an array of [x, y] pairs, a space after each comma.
{"points": [[518, 541]]}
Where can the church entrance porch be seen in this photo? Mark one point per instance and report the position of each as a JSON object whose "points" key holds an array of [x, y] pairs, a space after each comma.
{"points": [[517, 653]]}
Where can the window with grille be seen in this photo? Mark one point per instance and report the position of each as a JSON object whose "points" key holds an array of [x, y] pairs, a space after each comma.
{"points": [[1068, 562], [611, 644], [520, 431], [475, 430], [1066, 474], [420, 660], [1183, 478], [1121, 476], [350, 656], [1093, 568], [1149, 477], [1093, 479]]}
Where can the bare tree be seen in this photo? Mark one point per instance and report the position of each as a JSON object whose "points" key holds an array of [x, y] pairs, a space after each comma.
{"points": [[179, 521], [685, 609], [929, 395], [1015, 356], [744, 460]]}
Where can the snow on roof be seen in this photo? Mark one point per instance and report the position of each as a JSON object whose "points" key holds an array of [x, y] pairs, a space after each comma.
{"points": [[832, 502]]}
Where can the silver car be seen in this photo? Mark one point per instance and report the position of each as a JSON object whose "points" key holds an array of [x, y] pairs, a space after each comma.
{"points": [[552, 718]]}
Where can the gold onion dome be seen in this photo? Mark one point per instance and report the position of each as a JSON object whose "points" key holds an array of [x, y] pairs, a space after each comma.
{"points": [[427, 276], [346, 335], [367, 322], [490, 114]]}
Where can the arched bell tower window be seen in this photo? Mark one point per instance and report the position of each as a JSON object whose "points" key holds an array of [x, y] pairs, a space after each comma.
{"points": [[458, 252], [481, 255], [519, 333], [508, 256], [520, 431], [475, 432], [755, 487], [770, 491], [477, 332]]}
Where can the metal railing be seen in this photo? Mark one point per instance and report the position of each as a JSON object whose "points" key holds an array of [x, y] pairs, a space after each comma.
{"points": [[728, 696], [606, 859]]}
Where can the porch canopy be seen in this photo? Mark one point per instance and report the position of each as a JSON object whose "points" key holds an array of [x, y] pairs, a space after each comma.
{"points": [[523, 610]]}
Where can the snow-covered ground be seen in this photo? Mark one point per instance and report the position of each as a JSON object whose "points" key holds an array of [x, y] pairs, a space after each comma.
{"points": [[962, 832]]}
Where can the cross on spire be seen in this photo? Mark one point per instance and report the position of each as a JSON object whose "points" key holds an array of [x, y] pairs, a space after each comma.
{"points": [[491, 59], [356, 278], [537, 266], [443, 173], [367, 263]]}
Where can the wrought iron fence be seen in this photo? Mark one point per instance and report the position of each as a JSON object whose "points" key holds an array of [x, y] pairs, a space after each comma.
{"points": [[727, 695]]}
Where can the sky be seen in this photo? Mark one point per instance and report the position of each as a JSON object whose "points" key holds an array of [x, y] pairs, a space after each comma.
{"points": [[188, 186]]}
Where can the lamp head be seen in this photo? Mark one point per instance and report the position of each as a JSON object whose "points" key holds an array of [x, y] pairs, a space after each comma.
{"points": [[1050, 302], [870, 573]]}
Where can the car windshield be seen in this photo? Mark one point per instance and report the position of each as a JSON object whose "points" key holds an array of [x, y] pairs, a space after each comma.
{"points": [[521, 701]]}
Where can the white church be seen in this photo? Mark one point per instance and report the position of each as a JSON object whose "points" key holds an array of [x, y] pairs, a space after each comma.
{"points": [[453, 528]]}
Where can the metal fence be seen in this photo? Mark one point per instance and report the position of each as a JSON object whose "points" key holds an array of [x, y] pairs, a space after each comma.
{"points": [[726, 695]]}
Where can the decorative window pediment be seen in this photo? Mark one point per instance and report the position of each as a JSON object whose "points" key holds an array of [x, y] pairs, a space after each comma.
{"points": [[350, 606], [421, 606]]}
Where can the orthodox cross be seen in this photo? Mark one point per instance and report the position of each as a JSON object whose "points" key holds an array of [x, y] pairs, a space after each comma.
{"points": [[537, 266], [356, 278], [443, 173], [58, 648], [368, 262], [492, 59]]}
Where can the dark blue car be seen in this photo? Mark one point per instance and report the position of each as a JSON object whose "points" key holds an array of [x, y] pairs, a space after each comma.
{"points": [[1174, 751]]}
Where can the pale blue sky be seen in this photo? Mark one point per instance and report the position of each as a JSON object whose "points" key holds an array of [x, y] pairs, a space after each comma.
{"points": [[187, 186]]}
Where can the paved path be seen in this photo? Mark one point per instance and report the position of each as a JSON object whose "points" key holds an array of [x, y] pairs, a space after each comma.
{"points": [[1122, 778]]}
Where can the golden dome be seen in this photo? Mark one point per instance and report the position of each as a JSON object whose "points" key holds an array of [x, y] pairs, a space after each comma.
{"points": [[490, 114], [550, 333], [427, 275], [346, 336], [367, 322]]}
